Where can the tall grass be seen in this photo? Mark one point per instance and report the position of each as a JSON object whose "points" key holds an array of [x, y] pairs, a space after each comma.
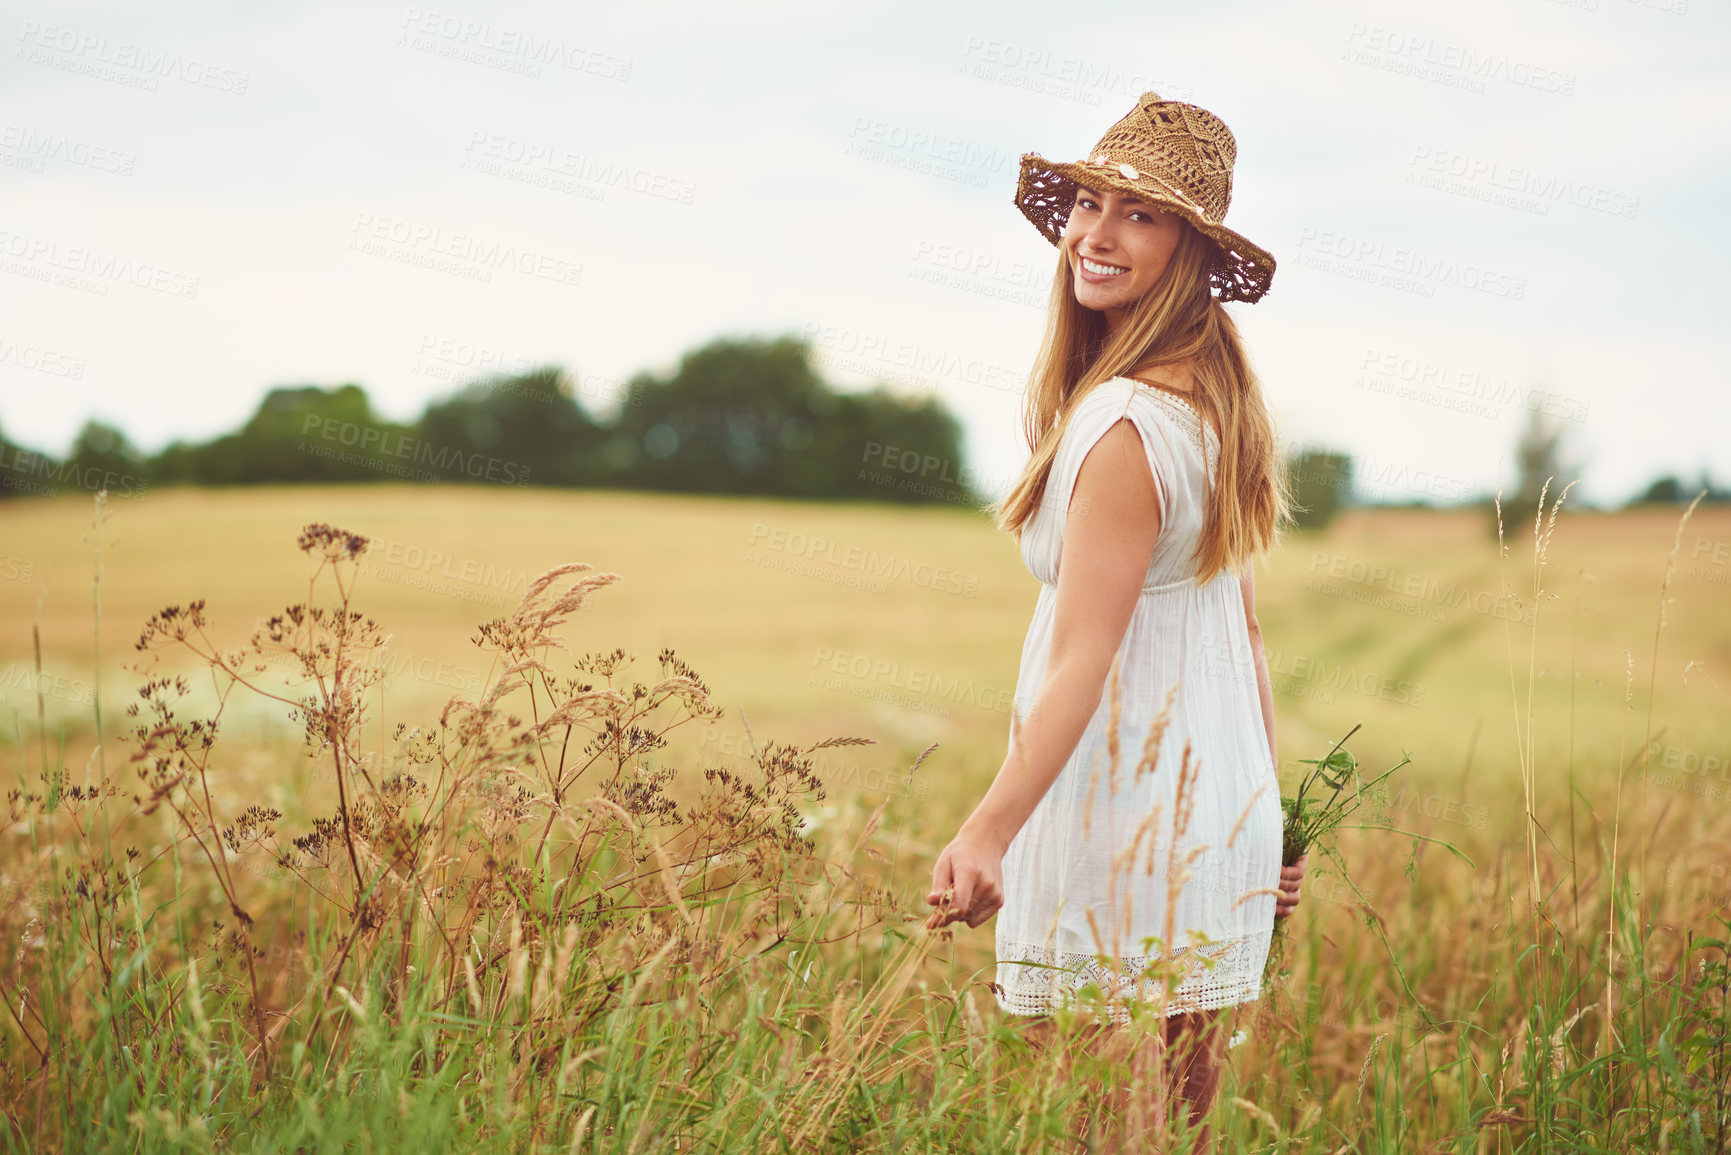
{"points": [[527, 924]]}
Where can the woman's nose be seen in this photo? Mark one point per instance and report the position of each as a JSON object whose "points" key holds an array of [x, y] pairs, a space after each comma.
{"points": [[1099, 234]]}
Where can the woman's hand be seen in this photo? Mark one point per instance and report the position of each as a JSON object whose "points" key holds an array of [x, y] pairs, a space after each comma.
{"points": [[967, 882], [1291, 878]]}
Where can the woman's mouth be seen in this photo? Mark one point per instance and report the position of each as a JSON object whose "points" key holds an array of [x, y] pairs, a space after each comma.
{"points": [[1100, 271]]}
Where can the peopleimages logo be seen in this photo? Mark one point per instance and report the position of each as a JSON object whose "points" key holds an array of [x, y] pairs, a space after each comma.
{"points": [[506, 153], [41, 360], [415, 242], [39, 147], [499, 45], [18, 676], [931, 145], [41, 255], [918, 681], [868, 352], [107, 59], [1389, 371], [1037, 69], [367, 439], [1457, 65], [867, 562], [1406, 591], [1545, 188], [1400, 266], [87, 477]]}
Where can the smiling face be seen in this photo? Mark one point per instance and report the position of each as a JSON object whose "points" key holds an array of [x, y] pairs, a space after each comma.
{"points": [[1118, 249]]}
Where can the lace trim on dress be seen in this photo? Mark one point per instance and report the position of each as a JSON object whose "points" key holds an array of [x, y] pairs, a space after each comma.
{"points": [[1215, 975], [1188, 414]]}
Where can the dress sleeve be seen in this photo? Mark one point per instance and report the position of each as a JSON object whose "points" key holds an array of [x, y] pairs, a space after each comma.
{"points": [[1098, 412]]}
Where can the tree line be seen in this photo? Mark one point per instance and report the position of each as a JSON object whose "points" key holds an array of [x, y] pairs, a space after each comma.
{"points": [[745, 416]]}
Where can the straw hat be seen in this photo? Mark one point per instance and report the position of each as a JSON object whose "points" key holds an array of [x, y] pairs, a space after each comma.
{"points": [[1165, 152]]}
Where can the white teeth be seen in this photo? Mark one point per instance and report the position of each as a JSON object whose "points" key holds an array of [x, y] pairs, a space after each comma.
{"points": [[1102, 270]]}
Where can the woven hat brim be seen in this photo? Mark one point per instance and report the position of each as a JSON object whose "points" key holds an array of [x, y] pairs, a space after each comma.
{"points": [[1046, 192]]}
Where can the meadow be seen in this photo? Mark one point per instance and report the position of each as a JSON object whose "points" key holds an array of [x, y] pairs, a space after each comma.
{"points": [[675, 902]]}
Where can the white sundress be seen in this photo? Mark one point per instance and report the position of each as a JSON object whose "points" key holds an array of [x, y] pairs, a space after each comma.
{"points": [[1079, 851]]}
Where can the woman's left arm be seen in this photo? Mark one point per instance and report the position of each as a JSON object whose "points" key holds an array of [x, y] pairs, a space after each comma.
{"points": [[1264, 688], [1291, 877]]}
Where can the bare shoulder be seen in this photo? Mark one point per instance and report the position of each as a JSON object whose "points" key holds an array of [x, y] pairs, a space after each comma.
{"points": [[1115, 478]]}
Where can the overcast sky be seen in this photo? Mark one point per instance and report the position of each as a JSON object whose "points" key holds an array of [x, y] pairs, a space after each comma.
{"points": [[1475, 206]]}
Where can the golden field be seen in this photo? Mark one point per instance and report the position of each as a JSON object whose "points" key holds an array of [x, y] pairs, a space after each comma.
{"points": [[904, 626]]}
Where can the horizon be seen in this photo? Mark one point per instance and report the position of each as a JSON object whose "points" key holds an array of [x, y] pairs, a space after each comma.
{"points": [[605, 416]]}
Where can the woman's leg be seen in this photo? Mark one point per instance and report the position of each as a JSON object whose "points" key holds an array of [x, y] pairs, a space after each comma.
{"points": [[1194, 1055], [1102, 1105], [1193, 1058]]}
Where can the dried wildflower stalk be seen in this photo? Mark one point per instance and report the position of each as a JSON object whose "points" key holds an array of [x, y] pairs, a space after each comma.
{"points": [[534, 820]]}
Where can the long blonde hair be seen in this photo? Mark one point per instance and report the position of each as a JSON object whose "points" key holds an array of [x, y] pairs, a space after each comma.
{"points": [[1176, 321]]}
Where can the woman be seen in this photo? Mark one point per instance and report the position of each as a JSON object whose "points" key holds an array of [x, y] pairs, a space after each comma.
{"points": [[1132, 838]]}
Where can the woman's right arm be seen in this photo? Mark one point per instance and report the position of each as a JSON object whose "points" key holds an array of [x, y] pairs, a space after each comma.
{"points": [[1109, 534]]}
